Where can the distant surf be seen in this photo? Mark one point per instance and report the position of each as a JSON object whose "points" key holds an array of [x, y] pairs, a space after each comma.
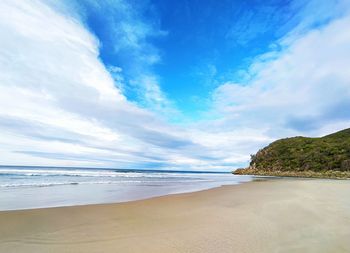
{"points": [[37, 187]]}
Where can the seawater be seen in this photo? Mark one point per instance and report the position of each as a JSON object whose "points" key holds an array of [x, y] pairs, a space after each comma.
{"points": [[39, 187]]}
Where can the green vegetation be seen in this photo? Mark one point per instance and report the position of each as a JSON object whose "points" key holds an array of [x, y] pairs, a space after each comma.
{"points": [[328, 156]]}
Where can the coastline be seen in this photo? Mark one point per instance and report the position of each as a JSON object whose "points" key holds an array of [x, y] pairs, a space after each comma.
{"points": [[147, 194], [23, 188], [261, 216], [328, 174]]}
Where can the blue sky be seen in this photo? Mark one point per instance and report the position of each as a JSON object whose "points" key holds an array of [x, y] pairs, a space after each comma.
{"points": [[197, 44], [197, 85]]}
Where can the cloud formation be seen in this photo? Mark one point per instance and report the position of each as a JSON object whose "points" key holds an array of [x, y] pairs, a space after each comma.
{"points": [[124, 36], [58, 101], [302, 89], [60, 105]]}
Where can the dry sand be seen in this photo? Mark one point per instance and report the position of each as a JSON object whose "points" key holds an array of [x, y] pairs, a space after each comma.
{"points": [[266, 216]]}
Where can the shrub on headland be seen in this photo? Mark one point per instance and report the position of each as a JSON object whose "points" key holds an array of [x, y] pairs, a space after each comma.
{"points": [[328, 156]]}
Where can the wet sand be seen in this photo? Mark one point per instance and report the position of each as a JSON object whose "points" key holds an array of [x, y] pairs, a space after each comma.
{"points": [[281, 215]]}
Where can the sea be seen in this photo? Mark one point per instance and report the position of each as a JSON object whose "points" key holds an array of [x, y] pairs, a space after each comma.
{"points": [[42, 187]]}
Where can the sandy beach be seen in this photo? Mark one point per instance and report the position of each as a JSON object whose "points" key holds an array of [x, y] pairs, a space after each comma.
{"points": [[280, 215]]}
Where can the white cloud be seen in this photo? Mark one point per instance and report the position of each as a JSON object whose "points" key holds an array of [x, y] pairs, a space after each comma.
{"points": [[126, 35], [303, 89], [59, 105]]}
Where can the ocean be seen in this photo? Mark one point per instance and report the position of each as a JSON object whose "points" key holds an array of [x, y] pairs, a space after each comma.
{"points": [[40, 187]]}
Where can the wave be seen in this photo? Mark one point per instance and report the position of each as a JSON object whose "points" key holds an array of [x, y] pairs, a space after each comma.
{"points": [[129, 182], [79, 173], [46, 177], [37, 184], [45, 184]]}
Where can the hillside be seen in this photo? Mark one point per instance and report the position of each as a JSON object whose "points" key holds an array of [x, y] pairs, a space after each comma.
{"points": [[328, 156]]}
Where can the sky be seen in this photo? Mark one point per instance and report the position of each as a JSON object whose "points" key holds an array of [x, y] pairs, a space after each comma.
{"points": [[160, 84]]}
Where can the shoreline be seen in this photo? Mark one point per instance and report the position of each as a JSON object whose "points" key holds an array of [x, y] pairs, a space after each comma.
{"points": [[59, 195], [123, 202], [256, 178], [259, 216], [329, 174], [54, 188]]}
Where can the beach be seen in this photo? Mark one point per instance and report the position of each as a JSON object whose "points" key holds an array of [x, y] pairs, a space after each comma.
{"points": [[268, 215], [24, 187]]}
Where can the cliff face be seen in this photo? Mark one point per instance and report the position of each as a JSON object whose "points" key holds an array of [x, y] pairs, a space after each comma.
{"points": [[328, 156]]}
